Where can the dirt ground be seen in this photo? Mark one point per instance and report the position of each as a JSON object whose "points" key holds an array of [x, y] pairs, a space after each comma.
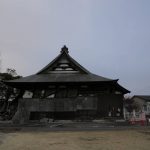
{"points": [[75, 140]]}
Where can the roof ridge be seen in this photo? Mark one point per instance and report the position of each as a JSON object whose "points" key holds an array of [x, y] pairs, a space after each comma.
{"points": [[64, 51]]}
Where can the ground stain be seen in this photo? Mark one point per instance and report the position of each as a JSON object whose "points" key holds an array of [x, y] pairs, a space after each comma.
{"points": [[91, 138], [57, 143]]}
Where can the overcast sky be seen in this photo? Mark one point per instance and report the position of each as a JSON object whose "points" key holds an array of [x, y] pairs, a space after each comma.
{"points": [[110, 38]]}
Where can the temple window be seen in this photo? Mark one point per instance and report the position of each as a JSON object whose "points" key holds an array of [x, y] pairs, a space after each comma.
{"points": [[50, 93], [51, 96], [117, 92], [28, 94]]}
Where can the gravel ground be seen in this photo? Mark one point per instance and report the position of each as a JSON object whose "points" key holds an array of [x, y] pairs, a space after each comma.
{"points": [[129, 139]]}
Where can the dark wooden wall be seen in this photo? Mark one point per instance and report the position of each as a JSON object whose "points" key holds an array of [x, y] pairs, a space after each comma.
{"points": [[109, 103]]}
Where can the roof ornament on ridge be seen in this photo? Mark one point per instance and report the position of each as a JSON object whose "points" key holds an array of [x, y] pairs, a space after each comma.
{"points": [[64, 49]]}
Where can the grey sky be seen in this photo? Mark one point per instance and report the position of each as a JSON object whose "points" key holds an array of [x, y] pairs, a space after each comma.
{"points": [[110, 38]]}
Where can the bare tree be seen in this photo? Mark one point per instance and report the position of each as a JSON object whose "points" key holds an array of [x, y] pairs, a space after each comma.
{"points": [[8, 95]]}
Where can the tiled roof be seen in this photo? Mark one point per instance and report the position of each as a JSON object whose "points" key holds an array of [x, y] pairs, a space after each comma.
{"points": [[144, 97], [63, 69]]}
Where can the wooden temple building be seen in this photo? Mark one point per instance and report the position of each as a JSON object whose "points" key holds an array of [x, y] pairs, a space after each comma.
{"points": [[66, 90]]}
